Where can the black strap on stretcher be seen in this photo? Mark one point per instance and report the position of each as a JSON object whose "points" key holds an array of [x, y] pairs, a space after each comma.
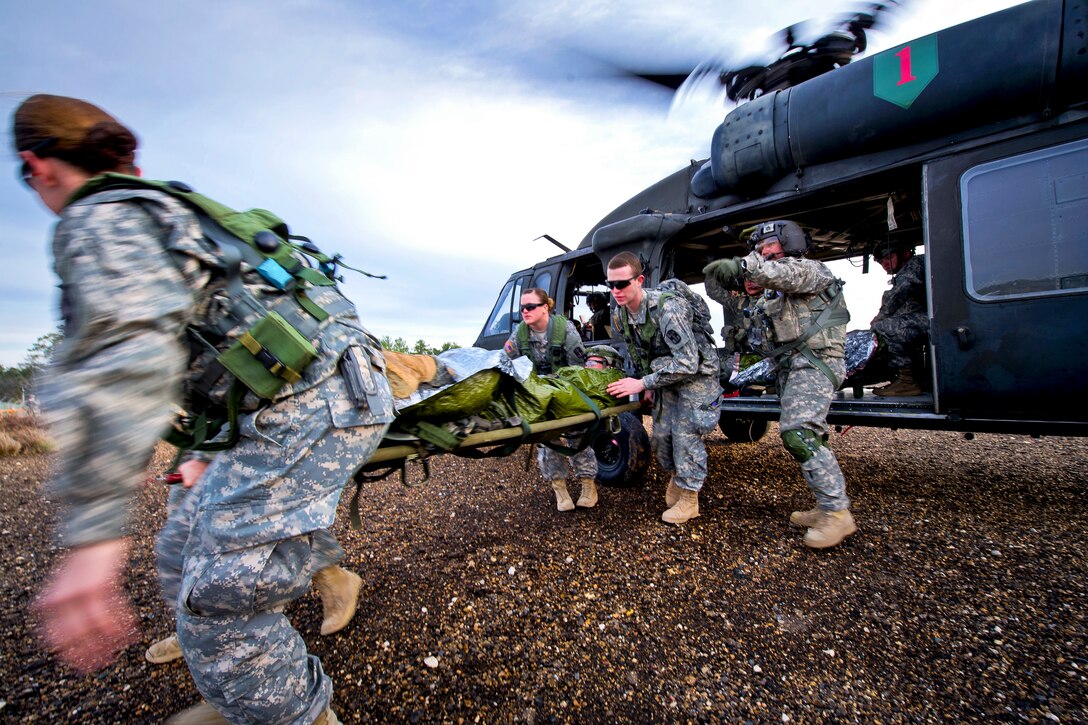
{"points": [[589, 434], [353, 508]]}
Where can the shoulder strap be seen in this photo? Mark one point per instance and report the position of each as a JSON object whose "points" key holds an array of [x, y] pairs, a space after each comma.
{"points": [[833, 313], [557, 334], [264, 233], [522, 335], [638, 348]]}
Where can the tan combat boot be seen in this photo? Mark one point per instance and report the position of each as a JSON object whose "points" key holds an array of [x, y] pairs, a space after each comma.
{"points": [[328, 718], [831, 529], [200, 714], [805, 519], [686, 508], [587, 499], [163, 651], [339, 590], [562, 496], [672, 493], [903, 385]]}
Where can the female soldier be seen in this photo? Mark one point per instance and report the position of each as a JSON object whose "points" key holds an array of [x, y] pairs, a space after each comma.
{"points": [[135, 274], [552, 341]]}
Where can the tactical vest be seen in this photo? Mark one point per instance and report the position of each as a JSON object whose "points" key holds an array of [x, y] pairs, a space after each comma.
{"points": [[754, 333], [809, 329], [557, 337], [255, 329]]}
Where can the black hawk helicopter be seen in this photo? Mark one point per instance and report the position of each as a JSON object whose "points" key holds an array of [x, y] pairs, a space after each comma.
{"points": [[970, 142]]}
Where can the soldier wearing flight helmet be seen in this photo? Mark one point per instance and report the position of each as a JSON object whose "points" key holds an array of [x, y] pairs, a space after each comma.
{"points": [[808, 318], [902, 322]]}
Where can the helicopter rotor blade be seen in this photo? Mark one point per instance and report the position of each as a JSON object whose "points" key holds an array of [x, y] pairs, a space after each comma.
{"points": [[811, 49]]}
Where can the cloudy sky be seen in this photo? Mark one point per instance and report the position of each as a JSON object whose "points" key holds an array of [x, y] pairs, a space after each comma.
{"points": [[429, 140]]}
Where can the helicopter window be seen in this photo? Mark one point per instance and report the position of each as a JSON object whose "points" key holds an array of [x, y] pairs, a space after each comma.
{"points": [[504, 315], [543, 280], [1025, 221]]}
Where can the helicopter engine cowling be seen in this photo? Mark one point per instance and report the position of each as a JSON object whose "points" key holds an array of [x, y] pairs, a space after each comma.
{"points": [[1014, 67]]}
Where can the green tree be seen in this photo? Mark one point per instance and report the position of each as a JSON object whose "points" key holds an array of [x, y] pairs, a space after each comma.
{"points": [[420, 348], [398, 345], [42, 350], [14, 381]]}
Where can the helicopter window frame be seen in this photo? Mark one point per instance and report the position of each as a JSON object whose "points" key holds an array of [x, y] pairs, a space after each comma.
{"points": [[1006, 203], [543, 280], [505, 306]]}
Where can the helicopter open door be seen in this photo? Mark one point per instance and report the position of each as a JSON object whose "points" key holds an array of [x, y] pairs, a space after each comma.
{"points": [[1007, 241]]}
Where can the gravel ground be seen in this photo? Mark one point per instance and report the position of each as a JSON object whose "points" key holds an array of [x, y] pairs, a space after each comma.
{"points": [[962, 596]]}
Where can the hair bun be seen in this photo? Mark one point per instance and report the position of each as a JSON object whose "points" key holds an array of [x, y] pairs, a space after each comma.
{"points": [[107, 145]]}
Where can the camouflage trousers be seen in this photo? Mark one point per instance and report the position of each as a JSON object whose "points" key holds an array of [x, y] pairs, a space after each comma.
{"points": [[171, 542], [681, 419], [806, 397], [553, 464], [254, 531], [902, 335]]}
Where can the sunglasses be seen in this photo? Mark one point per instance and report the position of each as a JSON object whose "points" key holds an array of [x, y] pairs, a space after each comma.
{"points": [[37, 149], [531, 306], [619, 283], [594, 363]]}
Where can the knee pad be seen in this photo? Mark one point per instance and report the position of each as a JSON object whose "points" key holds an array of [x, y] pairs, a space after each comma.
{"points": [[802, 444]]}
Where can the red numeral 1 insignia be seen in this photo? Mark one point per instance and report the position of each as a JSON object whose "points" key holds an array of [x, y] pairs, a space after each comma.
{"points": [[905, 76]]}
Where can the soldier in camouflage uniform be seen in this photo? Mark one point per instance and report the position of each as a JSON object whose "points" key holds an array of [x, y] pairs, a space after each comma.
{"points": [[598, 322], [136, 273], [809, 319], [338, 588], [679, 367], [746, 331], [902, 322], [552, 341]]}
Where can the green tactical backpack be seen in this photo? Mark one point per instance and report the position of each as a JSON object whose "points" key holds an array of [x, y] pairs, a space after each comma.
{"points": [[274, 346]]}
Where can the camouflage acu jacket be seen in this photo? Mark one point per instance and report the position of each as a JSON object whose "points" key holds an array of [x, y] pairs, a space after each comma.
{"points": [[676, 355], [907, 295], [540, 347], [798, 288]]}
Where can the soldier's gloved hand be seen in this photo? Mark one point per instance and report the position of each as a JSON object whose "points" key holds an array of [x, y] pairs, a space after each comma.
{"points": [[726, 270]]}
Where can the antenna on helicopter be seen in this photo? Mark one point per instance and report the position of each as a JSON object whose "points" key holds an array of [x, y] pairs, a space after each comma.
{"points": [[554, 241]]}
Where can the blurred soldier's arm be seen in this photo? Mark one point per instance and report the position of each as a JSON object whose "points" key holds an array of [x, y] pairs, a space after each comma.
{"points": [[573, 346], [116, 377], [110, 393]]}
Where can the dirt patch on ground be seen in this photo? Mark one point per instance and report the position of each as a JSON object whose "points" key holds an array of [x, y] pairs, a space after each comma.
{"points": [[962, 596]]}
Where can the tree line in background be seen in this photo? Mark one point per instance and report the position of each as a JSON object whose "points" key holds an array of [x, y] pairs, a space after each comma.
{"points": [[15, 381], [420, 348]]}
